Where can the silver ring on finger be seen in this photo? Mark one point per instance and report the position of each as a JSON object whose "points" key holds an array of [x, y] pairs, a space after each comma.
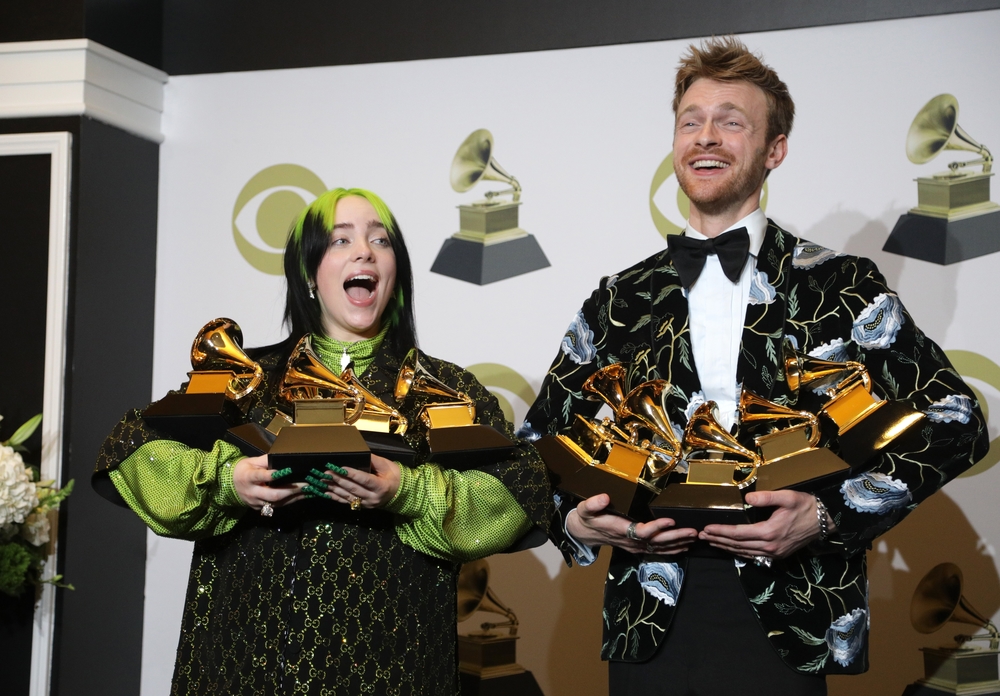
{"points": [[630, 532], [761, 561], [267, 510]]}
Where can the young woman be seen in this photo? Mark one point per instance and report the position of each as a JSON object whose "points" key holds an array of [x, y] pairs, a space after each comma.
{"points": [[346, 586]]}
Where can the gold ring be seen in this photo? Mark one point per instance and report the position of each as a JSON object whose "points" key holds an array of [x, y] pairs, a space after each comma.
{"points": [[355, 503]]}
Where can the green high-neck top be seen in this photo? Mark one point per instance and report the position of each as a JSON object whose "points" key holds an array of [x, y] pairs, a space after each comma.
{"points": [[359, 353]]}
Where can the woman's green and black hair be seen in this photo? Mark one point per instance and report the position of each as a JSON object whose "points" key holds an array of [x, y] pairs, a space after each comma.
{"points": [[308, 243]]}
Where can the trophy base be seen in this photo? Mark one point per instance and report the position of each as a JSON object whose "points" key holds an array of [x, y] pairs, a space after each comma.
{"points": [[390, 446], [694, 506], [807, 471], [197, 420], [468, 446], [523, 684], [871, 434], [965, 671], [305, 447], [487, 666], [584, 480], [944, 241], [251, 439], [483, 263]]}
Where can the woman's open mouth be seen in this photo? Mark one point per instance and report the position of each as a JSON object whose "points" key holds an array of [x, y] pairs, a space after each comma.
{"points": [[361, 288]]}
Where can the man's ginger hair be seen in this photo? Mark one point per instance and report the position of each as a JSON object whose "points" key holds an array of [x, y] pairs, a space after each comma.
{"points": [[727, 59]]}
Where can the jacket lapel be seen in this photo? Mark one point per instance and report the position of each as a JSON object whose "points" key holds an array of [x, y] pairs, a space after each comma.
{"points": [[759, 367]]}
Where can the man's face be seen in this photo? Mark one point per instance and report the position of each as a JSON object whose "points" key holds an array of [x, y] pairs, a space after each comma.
{"points": [[720, 151]]}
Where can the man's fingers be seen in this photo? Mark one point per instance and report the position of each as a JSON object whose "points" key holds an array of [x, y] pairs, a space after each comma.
{"points": [[593, 506]]}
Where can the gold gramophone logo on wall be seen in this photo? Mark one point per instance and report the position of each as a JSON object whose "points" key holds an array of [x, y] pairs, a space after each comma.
{"points": [[954, 219], [489, 245]]}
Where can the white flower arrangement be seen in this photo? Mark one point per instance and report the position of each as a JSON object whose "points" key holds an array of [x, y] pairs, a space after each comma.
{"points": [[25, 504]]}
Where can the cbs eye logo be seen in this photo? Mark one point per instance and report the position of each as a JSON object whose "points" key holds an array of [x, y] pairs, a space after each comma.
{"points": [[265, 210], [669, 206]]}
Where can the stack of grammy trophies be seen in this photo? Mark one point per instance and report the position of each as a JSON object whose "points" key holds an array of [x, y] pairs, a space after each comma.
{"points": [[322, 418], [700, 478]]}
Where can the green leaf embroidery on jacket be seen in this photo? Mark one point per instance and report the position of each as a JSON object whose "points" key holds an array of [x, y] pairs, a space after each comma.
{"points": [[793, 302], [817, 570], [763, 596], [808, 638], [890, 382], [643, 320]]}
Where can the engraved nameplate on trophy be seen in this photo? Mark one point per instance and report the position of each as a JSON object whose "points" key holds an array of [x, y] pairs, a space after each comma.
{"points": [[214, 399], [454, 438]]}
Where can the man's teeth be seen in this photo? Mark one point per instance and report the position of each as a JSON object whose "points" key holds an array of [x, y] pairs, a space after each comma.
{"points": [[706, 164]]}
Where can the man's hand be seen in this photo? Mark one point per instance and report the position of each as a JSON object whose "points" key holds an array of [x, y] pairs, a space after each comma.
{"points": [[593, 525], [792, 525]]}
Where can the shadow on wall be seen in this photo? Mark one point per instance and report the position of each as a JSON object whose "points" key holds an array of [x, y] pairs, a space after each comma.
{"points": [[560, 621], [935, 532]]}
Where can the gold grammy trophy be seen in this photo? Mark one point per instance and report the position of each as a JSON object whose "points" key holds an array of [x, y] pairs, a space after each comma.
{"points": [[790, 457], [324, 407], [866, 423], [627, 459], [954, 219], [381, 425], [487, 661], [215, 397], [489, 245], [454, 438], [957, 669], [719, 470]]}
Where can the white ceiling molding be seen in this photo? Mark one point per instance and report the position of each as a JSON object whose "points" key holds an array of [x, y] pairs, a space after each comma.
{"points": [[80, 77]]}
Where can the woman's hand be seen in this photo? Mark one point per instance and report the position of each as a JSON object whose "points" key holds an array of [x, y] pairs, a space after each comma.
{"points": [[346, 485], [254, 484]]}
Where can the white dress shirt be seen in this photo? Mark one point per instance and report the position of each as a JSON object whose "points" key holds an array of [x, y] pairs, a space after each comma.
{"points": [[717, 310]]}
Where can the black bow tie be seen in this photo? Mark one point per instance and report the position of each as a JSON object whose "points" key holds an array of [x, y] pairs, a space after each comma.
{"points": [[689, 254]]}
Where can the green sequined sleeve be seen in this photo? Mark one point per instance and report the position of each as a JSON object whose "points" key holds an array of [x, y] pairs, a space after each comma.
{"points": [[179, 491], [457, 516]]}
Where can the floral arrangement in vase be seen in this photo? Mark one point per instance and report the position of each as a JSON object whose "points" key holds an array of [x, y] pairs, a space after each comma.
{"points": [[25, 504]]}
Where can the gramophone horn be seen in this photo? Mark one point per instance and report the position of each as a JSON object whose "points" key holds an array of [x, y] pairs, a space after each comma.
{"points": [[754, 407], [645, 405], [704, 432], [475, 594], [375, 410], [803, 370], [307, 378], [936, 128], [219, 346], [938, 599], [608, 383], [474, 161], [415, 379]]}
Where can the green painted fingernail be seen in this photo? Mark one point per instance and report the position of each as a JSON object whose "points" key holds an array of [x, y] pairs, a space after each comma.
{"points": [[337, 469], [281, 473], [321, 474]]}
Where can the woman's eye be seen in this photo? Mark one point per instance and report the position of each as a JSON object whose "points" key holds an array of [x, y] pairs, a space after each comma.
{"points": [[381, 241], [338, 241]]}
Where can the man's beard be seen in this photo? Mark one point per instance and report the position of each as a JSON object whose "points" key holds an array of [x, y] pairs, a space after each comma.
{"points": [[732, 195]]}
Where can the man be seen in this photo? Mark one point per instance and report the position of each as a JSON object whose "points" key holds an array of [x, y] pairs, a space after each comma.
{"points": [[781, 603]]}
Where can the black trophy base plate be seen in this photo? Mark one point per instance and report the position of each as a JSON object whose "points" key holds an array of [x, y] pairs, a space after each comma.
{"points": [[391, 446], [695, 506], [468, 446], [305, 447], [197, 420], [481, 264], [807, 472], [583, 481], [523, 684], [252, 439], [943, 242]]}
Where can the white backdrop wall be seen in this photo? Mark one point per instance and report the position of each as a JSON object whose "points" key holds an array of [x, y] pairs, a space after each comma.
{"points": [[583, 130]]}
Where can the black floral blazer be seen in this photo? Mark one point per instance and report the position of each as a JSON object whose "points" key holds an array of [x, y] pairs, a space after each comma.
{"points": [[814, 604]]}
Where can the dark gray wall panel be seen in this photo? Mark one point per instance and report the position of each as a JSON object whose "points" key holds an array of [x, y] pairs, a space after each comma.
{"points": [[113, 256], [232, 35]]}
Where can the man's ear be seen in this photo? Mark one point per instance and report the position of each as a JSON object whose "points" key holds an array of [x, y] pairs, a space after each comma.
{"points": [[777, 152]]}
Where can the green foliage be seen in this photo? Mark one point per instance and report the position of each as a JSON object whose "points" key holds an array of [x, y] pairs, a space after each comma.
{"points": [[15, 560]]}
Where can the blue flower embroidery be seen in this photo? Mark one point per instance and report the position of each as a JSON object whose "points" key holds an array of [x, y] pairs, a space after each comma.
{"points": [[662, 580], [809, 255], [697, 399], [846, 636], [526, 432], [878, 323], [835, 350], [875, 493], [578, 343], [954, 407], [761, 291]]}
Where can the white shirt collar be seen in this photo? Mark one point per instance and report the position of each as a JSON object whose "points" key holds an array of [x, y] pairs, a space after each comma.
{"points": [[755, 222]]}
